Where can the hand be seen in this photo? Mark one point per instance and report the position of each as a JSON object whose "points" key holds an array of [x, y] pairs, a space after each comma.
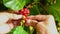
{"points": [[44, 24], [4, 18]]}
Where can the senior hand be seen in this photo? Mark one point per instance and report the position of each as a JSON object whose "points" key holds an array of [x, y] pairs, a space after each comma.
{"points": [[4, 17], [44, 24]]}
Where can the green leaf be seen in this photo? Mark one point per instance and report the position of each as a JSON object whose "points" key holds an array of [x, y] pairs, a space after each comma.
{"points": [[20, 30], [12, 31], [55, 10], [14, 4]]}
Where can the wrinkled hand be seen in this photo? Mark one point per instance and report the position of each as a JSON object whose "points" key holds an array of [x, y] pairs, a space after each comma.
{"points": [[44, 24], [4, 17]]}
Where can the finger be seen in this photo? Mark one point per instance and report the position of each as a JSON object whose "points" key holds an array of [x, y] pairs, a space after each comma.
{"points": [[39, 17], [41, 28], [10, 15], [15, 16], [31, 23]]}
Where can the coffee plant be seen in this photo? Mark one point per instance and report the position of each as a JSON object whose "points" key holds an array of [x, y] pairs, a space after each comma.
{"points": [[32, 7]]}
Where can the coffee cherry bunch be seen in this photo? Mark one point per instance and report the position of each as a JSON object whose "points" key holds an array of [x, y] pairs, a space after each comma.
{"points": [[25, 12]]}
